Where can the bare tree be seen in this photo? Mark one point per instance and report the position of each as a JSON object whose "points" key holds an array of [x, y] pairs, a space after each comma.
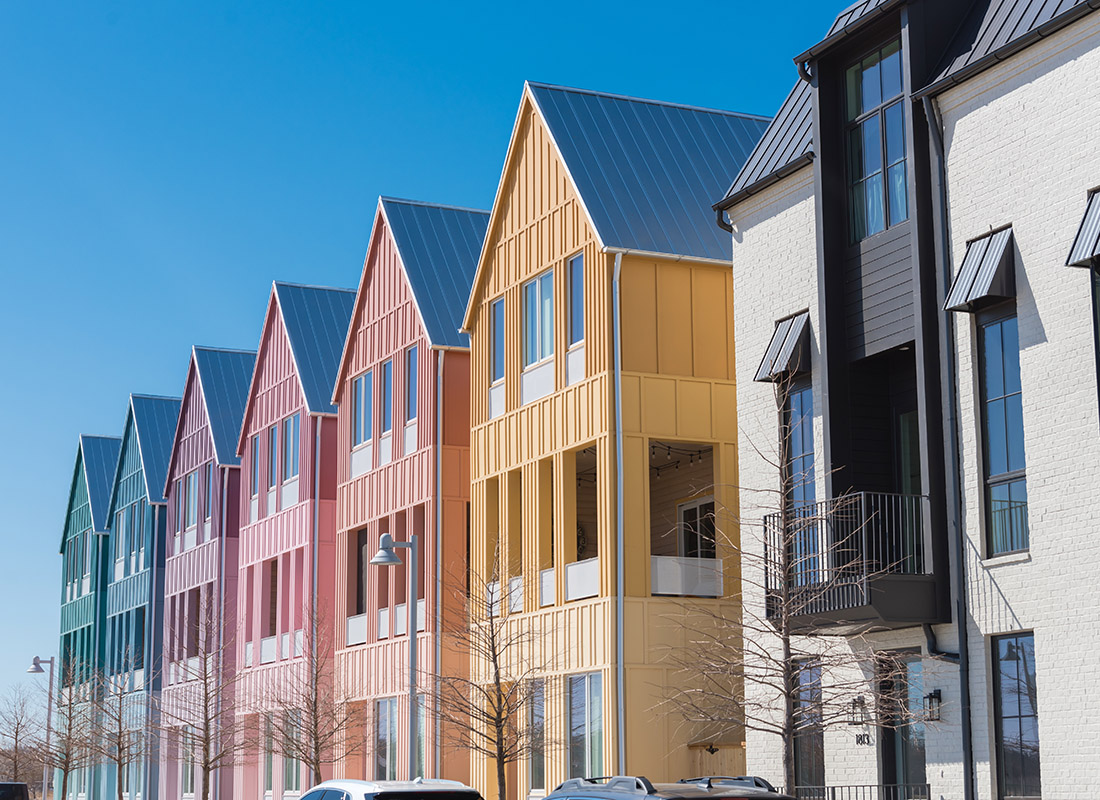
{"points": [[20, 729], [747, 664], [124, 729], [73, 724], [488, 709], [312, 717], [201, 706]]}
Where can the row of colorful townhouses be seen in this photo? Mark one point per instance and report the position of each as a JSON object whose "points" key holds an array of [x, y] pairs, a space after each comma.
{"points": [[898, 469]]}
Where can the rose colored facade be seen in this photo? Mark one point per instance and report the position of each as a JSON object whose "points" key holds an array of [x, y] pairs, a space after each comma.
{"points": [[287, 509], [403, 468], [200, 581]]}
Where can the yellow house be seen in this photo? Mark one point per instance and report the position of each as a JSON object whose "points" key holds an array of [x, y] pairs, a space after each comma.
{"points": [[603, 420]]}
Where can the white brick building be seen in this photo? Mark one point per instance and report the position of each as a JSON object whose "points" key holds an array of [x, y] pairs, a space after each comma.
{"points": [[982, 120]]}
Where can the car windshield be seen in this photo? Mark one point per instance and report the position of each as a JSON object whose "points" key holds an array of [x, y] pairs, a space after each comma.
{"points": [[13, 791]]}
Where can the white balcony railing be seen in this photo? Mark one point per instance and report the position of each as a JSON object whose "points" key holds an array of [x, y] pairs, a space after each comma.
{"points": [[362, 459], [400, 619], [289, 493], [284, 646], [515, 595], [248, 654], [547, 588], [356, 632], [299, 642], [421, 615], [492, 598], [683, 576], [384, 623], [267, 649], [582, 579]]}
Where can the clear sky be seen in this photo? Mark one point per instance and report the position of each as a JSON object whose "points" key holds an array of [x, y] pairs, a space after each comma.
{"points": [[161, 163]]}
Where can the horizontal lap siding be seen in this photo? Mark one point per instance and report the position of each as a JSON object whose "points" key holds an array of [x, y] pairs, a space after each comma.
{"points": [[878, 293]]}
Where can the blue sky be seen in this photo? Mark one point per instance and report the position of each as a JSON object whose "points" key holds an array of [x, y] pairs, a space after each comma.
{"points": [[161, 163]]}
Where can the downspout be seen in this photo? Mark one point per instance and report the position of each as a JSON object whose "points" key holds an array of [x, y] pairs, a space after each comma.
{"points": [[221, 610], [156, 581], [316, 534], [952, 465], [438, 612], [620, 536]]}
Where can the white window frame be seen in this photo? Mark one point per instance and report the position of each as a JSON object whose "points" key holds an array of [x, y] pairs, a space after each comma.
{"points": [[574, 312], [544, 349], [681, 529], [497, 333], [291, 447], [363, 409]]}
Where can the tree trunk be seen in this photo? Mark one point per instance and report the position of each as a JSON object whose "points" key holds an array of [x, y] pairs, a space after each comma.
{"points": [[206, 772], [64, 786], [120, 769], [502, 779]]}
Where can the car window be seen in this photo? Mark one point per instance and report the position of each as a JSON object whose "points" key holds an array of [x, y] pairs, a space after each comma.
{"points": [[316, 794], [13, 791], [334, 794]]}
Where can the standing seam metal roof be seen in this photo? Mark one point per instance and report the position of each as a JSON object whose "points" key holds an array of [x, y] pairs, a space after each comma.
{"points": [[155, 420], [224, 378], [1086, 244], [646, 171], [316, 321], [439, 248], [100, 459], [986, 269]]}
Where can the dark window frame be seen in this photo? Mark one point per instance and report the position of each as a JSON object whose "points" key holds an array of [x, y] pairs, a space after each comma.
{"points": [[998, 713]]}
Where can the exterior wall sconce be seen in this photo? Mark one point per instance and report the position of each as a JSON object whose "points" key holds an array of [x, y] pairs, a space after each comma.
{"points": [[857, 715], [932, 702], [710, 748]]}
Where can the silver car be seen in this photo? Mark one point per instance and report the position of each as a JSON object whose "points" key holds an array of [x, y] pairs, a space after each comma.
{"points": [[419, 789]]}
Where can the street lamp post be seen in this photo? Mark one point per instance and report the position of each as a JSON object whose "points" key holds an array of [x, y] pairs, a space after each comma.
{"points": [[36, 669], [386, 557]]}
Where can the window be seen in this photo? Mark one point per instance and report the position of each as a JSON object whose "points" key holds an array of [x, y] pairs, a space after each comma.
{"points": [[269, 755], [385, 739], [421, 721], [498, 340], [876, 143], [139, 638], [1003, 435], [536, 721], [576, 300], [187, 768], [272, 456], [120, 538], [272, 597], [208, 507], [586, 725], [538, 319], [798, 444], [809, 745], [141, 534], [290, 446], [697, 528], [1016, 716], [132, 534], [363, 408], [191, 500], [292, 767], [410, 385], [387, 397], [254, 483]]}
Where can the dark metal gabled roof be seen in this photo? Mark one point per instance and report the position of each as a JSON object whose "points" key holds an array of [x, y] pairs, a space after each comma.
{"points": [[997, 28], [439, 248], [100, 458], [154, 420], [787, 144], [224, 378], [1086, 244], [987, 271], [788, 351], [647, 172], [316, 321], [847, 22]]}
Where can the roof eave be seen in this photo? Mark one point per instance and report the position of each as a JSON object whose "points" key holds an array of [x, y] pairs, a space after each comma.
{"points": [[827, 43], [630, 251], [729, 201]]}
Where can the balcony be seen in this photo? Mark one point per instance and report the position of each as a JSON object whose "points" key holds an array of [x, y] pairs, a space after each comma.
{"points": [[855, 563], [356, 630], [267, 649], [547, 590], [582, 579], [901, 791], [682, 576]]}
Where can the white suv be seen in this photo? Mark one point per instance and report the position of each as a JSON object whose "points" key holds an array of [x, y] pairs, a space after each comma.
{"points": [[419, 789]]}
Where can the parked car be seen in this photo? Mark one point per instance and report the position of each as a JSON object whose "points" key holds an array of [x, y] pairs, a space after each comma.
{"points": [[419, 789], [623, 787], [14, 791], [740, 780]]}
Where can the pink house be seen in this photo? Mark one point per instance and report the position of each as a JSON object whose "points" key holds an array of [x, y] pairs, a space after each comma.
{"points": [[286, 556], [402, 461], [200, 571]]}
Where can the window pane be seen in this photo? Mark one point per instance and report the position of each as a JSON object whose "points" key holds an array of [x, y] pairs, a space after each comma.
{"points": [[357, 411], [577, 726], [387, 397], [899, 199], [855, 153], [856, 208], [851, 82], [272, 456], [530, 324], [895, 133], [368, 406], [255, 468], [993, 375], [873, 206], [576, 300], [891, 70], [871, 88], [1010, 341], [546, 315], [1014, 431], [595, 724], [498, 340], [871, 134], [996, 446], [410, 384]]}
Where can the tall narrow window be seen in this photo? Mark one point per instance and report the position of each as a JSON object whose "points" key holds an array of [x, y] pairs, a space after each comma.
{"points": [[536, 721], [254, 482], [120, 537], [272, 597], [576, 300], [292, 767], [498, 340], [208, 506], [290, 446], [187, 768], [1016, 716], [269, 755], [141, 534], [177, 506], [191, 501], [585, 725], [387, 397], [878, 195], [272, 456], [138, 646], [809, 745], [132, 533], [421, 720], [363, 408], [798, 444], [1003, 434], [410, 385], [538, 319], [385, 739]]}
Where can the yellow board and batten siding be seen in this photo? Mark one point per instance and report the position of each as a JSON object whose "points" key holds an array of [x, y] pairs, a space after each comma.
{"points": [[677, 384]]}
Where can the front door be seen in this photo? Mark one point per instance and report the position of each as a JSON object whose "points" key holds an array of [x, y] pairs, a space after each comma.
{"points": [[903, 760]]}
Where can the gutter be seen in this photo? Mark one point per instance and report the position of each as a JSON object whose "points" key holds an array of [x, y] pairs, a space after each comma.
{"points": [[221, 609], [316, 535], [620, 535], [437, 621], [1000, 54], [618, 252], [756, 187], [852, 28], [953, 467]]}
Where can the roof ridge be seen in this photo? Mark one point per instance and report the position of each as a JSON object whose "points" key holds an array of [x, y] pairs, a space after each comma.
{"points": [[212, 349], [98, 436], [648, 101], [312, 286], [140, 395], [427, 204]]}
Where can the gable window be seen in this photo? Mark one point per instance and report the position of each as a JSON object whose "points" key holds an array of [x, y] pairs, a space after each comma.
{"points": [[538, 319], [362, 408], [208, 507], [1003, 433], [576, 300], [410, 385], [272, 456], [498, 340], [291, 431], [254, 482], [140, 526], [1016, 713], [120, 538], [387, 397], [876, 143], [585, 725], [191, 500]]}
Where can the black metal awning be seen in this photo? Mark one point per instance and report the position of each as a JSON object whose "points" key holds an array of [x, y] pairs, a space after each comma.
{"points": [[789, 349], [1086, 244], [988, 272]]}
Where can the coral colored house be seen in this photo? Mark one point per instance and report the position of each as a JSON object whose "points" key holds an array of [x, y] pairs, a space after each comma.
{"points": [[200, 571], [403, 468], [287, 504]]}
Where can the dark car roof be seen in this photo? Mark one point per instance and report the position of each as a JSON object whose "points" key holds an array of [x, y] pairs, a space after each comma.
{"points": [[666, 791]]}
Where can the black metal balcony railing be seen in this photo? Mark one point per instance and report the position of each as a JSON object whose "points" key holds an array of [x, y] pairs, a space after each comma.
{"points": [[901, 791], [829, 551]]}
